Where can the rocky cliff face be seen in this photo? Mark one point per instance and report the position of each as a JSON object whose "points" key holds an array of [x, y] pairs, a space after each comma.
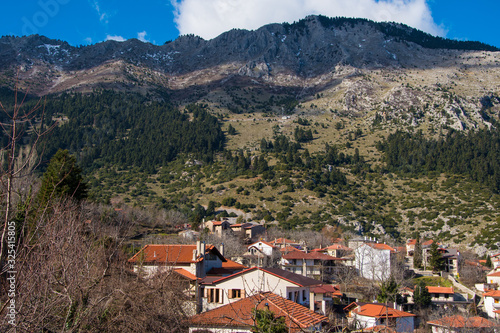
{"points": [[355, 66]]}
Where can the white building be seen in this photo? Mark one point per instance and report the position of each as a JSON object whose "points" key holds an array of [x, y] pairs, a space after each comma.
{"points": [[217, 292], [370, 315], [373, 260], [492, 303]]}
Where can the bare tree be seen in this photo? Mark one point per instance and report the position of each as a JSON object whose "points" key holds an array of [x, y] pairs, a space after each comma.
{"points": [[19, 160]]}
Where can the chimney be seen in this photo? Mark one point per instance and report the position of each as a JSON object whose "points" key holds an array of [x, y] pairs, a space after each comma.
{"points": [[198, 247], [194, 255], [222, 249]]}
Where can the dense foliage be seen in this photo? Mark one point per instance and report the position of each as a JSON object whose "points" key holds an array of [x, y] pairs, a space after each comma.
{"points": [[475, 154], [128, 130]]}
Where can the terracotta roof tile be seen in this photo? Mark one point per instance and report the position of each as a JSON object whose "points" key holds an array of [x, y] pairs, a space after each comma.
{"points": [[186, 274], [380, 246], [379, 310], [239, 313], [492, 293], [458, 321], [412, 242], [440, 290], [289, 248], [169, 254], [497, 273], [263, 242], [229, 264]]}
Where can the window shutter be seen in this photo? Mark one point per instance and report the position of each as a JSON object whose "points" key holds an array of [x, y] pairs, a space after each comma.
{"points": [[221, 295], [242, 293], [230, 293]]}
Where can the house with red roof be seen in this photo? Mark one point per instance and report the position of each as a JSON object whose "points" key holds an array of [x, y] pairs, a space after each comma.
{"points": [[196, 259], [369, 315], [441, 294], [373, 260], [239, 316], [458, 323], [262, 248], [217, 227], [316, 265], [220, 291], [338, 250], [493, 277], [492, 303]]}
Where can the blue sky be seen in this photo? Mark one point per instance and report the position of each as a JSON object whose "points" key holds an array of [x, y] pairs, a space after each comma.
{"points": [[82, 22]]}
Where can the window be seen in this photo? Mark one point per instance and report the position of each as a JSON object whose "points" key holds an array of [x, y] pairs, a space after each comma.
{"points": [[236, 293], [497, 300], [214, 295]]}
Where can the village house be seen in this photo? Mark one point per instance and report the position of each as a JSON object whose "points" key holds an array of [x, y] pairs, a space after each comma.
{"points": [[221, 291], [239, 316], [323, 296], [336, 250], [216, 227], [196, 259], [261, 248], [493, 277], [283, 243], [441, 294], [373, 260], [492, 303], [458, 323], [365, 316], [312, 264], [250, 230]]}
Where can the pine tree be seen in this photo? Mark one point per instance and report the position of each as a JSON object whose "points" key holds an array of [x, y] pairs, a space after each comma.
{"points": [[421, 296], [417, 254], [436, 261], [63, 177]]}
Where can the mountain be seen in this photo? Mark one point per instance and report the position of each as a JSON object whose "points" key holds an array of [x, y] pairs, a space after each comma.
{"points": [[305, 109]]}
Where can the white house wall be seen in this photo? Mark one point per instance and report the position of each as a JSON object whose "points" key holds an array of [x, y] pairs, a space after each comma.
{"points": [[254, 282], [373, 264]]}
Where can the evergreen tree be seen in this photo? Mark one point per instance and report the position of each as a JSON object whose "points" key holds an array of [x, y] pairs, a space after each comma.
{"points": [[63, 177], [436, 261], [488, 263], [417, 253], [421, 296], [389, 292]]}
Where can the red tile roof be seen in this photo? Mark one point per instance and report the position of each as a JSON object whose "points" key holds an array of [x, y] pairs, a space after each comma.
{"points": [[310, 256], [492, 293], [379, 310], [440, 290], [326, 289], [239, 313], [229, 264], [459, 321], [186, 274], [170, 254], [380, 246], [263, 242], [289, 248], [284, 241], [497, 273], [412, 242]]}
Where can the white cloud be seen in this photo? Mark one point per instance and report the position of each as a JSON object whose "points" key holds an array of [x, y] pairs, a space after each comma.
{"points": [[115, 38], [208, 19], [103, 17], [142, 36]]}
